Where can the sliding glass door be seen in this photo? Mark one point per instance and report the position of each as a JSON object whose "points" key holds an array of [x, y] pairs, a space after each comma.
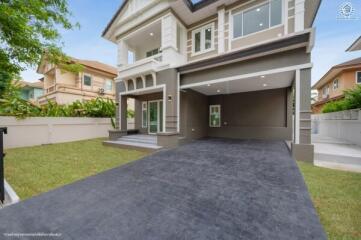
{"points": [[155, 116]]}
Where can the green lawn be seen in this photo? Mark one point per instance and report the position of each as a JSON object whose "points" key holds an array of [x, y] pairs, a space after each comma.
{"points": [[34, 170], [337, 198]]}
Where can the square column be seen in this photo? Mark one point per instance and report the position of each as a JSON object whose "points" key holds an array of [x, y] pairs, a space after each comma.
{"points": [[302, 148], [123, 113], [299, 15], [122, 53], [169, 40], [137, 114], [221, 34]]}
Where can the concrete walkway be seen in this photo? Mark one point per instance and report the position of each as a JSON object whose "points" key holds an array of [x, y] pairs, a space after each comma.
{"points": [[336, 154], [209, 189]]}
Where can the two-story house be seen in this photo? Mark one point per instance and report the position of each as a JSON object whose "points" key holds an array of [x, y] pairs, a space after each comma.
{"points": [[63, 87], [226, 68], [339, 78]]}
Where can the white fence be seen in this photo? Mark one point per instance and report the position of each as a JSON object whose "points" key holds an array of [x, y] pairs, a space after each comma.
{"points": [[46, 130], [342, 125]]}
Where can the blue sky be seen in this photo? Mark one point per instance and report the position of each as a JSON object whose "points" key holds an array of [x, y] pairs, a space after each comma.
{"points": [[333, 35]]}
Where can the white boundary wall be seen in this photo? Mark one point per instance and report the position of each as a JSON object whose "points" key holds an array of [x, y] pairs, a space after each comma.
{"points": [[344, 125], [47, 130]]}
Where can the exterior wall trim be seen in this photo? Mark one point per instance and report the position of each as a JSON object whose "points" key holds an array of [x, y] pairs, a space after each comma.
{"points": [[178, 102], [255, 74], [357, 72], [297, 106]]}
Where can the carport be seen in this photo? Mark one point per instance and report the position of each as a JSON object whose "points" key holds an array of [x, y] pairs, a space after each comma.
{"points": [[254, 107], [249, 97]]}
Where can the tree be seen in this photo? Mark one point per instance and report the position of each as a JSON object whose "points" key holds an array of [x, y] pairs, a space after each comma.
{"points": [[28, 29]]}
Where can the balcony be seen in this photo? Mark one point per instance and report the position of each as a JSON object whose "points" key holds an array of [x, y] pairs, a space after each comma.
{"points": [[141, 67], [155, 46]]}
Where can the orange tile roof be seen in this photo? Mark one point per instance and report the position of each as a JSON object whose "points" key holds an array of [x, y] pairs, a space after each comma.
{"points": [[32, 84], [97, 65]]}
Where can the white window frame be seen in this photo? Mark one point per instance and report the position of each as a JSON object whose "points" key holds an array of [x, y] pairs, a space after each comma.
{"points": [[91, 80], [105, 85], [145, 108], [250, 8], [220, 115], [327, 90], [358, 72], [202, 30], [333, 84]]}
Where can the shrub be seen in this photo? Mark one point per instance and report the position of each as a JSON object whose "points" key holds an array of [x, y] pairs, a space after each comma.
{"points": [[335, 106], [352, 100], [11, 104], [353, 97]]}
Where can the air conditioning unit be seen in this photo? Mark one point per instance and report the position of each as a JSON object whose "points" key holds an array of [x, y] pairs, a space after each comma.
{"points": [[101, 90]]}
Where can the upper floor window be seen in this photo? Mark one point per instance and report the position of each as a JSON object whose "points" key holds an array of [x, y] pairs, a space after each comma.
{"points": [[257, 18], [203, 39], [358, 77], [108, 85], [87, 80], [153, 52], [335, 84]]}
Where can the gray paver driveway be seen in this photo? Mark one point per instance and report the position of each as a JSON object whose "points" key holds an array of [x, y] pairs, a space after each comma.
{"points": [[208, 189]]}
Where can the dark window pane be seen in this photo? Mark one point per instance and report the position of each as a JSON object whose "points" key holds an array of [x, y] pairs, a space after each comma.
{"points": [[276, 12], [197, 42], [208, 40], [358, 77], [237, 25], [87, 80]]}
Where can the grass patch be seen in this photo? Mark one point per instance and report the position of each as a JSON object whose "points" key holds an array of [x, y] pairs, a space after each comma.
{"points": [[337, 199], [34, 170]]}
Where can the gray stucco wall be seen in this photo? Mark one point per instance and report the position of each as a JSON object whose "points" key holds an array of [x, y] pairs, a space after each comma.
{"points": [[305, 106], [169, 78], [279, 60], [254, 115], [193, 114]]}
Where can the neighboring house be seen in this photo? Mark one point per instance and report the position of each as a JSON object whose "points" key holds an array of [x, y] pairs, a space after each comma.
{"points": [[31, 90], [339, 78], [221, 68], [96, 80]]}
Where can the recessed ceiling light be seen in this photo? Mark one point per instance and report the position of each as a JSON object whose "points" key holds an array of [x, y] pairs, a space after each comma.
{"points": [[263, 76], [208, 85], [264, 84], [151, 34], [261, 24], [218, 90], [258, 9]]}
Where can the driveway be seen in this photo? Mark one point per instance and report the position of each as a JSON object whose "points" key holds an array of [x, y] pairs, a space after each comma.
{"points": [[208, 189]]}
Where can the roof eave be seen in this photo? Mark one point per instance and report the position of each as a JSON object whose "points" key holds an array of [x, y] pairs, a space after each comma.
{"points": [[354, 45], [315, 14], [105, 31]]}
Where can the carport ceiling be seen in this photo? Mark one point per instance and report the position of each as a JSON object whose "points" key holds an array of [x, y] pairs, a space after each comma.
{"points": [[264, 82]]}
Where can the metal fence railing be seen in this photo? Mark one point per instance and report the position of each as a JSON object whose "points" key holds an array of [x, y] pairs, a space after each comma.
{"points": [[2, 155]]}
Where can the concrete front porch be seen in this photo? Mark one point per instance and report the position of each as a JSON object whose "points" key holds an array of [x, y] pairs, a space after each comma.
{"points": [[135, 141]]}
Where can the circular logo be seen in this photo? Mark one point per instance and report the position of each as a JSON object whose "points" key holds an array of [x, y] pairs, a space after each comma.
{"points": [[346, 9]]}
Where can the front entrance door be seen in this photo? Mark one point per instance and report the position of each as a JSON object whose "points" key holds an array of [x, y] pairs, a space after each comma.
{"points": [[155, 116]]}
